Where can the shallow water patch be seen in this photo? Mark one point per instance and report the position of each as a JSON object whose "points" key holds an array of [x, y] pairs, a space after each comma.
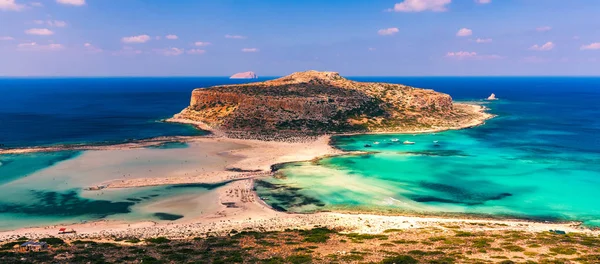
{"points": [[67, 204]]}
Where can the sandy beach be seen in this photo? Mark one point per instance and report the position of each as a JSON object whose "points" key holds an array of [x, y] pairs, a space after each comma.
{"points": [[237, 206]]}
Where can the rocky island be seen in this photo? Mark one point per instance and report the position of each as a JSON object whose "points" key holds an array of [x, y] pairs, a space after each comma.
{"points": [[244, 75], [312, 103]]}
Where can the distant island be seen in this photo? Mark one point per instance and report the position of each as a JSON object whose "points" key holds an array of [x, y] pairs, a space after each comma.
{"points": [[244, 75], [313, 103]]}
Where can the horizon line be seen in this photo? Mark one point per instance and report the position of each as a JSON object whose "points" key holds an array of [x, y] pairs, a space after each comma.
{"points": [[278, 76]]}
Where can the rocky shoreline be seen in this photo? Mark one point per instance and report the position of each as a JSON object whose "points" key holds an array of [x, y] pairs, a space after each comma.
{"points": [[249, 212]]}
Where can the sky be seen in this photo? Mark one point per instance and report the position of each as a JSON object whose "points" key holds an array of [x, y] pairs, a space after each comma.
{"points": [[278, 37]]}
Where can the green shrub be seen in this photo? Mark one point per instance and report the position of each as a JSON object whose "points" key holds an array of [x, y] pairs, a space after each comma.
{"points": [[317, 235], [402, 259], [54, 241], [299, 259], [563, 250], [158, 240]]}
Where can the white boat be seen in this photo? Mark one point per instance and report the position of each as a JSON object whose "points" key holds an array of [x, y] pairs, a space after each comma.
{"points": [[435, 141], [395, 140], [408, 142], [376, 142]]}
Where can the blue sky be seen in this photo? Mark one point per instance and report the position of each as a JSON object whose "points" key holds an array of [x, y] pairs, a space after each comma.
{"points": [[277, 37]]}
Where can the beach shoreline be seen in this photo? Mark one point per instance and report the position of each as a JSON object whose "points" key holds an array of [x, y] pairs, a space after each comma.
{"points": [[240, 208]]}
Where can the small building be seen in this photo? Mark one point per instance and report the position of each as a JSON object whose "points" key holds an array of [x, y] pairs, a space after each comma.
{"points": [[33, 246]]}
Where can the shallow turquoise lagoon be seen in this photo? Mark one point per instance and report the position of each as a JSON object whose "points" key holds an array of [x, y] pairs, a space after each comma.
{"points": [[40, 189], [522, 164]]}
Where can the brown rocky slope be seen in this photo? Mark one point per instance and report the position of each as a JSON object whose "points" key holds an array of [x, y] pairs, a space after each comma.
{"points": [[313, 103]]}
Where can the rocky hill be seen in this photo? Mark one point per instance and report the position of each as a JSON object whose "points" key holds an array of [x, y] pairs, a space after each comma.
{"points": [[312, 103], [244, 75]]}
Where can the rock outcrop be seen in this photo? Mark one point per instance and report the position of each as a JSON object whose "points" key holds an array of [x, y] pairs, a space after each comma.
{"points": [[312, 103], [492, 97], [244, 75]]}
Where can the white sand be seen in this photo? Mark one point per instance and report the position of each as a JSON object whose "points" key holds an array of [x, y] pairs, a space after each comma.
{"points": [[218, 154]]}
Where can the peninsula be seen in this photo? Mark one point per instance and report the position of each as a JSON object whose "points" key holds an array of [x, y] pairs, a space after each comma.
{"points": [[255, 127], [314, 103]]}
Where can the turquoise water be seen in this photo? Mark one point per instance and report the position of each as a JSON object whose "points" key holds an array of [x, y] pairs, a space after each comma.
{"points": [[49, 188], [539, 159]]}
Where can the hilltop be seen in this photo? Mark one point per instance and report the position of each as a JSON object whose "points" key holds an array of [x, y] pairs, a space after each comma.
{"points": [[313, 103], [244, 75]]}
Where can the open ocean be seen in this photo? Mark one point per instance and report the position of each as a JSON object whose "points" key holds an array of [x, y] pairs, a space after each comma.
{"points": [[539, 159]]}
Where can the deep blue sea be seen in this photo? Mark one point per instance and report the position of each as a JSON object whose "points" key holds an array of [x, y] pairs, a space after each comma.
{"points": [[540, 158], [35, 112]]}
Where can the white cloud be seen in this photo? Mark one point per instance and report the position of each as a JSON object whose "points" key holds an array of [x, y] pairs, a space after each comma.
{"points": [[388, 31], [33, 46], [36, 4], [421, 5], [372, 49], [126, 50], [201, 43], [170, 51], [592, 46], [462, 55], [196, 51], [39, 31], [234, 36], [480, 40], [171, 37], [10, 5], [249, 50], [7, 38], [544, 28], [91, 48], [464, 32], [546, 47], [136, 39], [52, 23], [56, 23], [71, 2], [483, 1]]}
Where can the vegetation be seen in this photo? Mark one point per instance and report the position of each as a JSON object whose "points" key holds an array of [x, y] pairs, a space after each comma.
{"points": [[314, 103], [322, 245]]}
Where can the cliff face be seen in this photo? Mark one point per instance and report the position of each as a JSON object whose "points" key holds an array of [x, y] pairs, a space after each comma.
{"points": [[318, 102]]}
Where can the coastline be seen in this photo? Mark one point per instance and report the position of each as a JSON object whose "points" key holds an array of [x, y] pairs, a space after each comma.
{"points": [[242, 209]]}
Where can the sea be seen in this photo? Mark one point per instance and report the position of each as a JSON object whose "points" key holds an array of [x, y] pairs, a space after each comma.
{"points": [[538, 159]]}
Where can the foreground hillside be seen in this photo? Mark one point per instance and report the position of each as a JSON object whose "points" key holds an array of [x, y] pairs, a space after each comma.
{"points": [[313, 103], [321, 245]]}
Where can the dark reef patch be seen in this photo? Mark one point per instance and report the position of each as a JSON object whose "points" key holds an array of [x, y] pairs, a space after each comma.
{"points": [[167, 217], [455, 195], [169, 145], [284, 198], [241, 170], [68, 203]]}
